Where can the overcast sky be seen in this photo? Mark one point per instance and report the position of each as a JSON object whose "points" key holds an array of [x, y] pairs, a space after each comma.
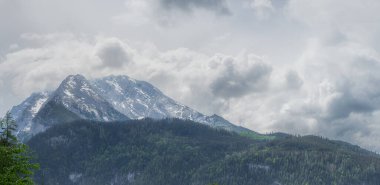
{"points": [[297, 66]]}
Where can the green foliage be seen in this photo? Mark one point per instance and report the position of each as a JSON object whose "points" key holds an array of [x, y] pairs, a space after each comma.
{"points": [[8, 125], [15, 166], [173, 151]]}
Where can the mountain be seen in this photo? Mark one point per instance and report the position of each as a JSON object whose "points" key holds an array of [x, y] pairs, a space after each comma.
{"points": [[112, 98], [80, 100], [175, 151], [138, 99], [27, 110]]}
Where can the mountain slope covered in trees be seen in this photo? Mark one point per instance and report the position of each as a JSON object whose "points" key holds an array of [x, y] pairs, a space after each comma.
{"points": [[173, 151]]}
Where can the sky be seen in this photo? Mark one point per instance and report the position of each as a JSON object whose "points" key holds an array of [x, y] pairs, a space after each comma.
{"points": [[296, 66]]}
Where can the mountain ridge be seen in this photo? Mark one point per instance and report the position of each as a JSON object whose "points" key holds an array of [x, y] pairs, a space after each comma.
{"points": [[111, 98]]}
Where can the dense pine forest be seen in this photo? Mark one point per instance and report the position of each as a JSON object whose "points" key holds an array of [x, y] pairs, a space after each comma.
{"points": [[173, 151]]}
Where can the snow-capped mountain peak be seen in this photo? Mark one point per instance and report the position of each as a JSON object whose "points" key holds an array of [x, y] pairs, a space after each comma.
{"points": [[112, 98], [77, 95], [27, 110], [74, 86], [138, 99]]}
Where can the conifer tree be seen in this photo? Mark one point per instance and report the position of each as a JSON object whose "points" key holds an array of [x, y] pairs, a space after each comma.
{"points": [[15, 165], [8, 126]]}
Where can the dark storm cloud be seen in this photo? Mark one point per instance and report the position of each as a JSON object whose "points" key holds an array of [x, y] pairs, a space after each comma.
{"points": [[236, 83], [219, 6]]}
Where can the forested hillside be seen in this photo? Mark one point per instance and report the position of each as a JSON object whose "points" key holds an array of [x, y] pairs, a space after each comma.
{"points": [[173, 151]]}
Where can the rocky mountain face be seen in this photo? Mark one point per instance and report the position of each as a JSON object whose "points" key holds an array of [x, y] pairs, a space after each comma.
{"points": [[76, 98], [27, 110], [112, 98]]}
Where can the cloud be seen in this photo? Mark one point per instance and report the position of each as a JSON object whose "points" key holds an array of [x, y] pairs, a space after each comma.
{"points": [[218, 6], [344, 104], [168, 13], [240, 77], [113, 53], [338, 99], [325, 17], [50, 58], [293, 80], [342, 98], [263, 8]]}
